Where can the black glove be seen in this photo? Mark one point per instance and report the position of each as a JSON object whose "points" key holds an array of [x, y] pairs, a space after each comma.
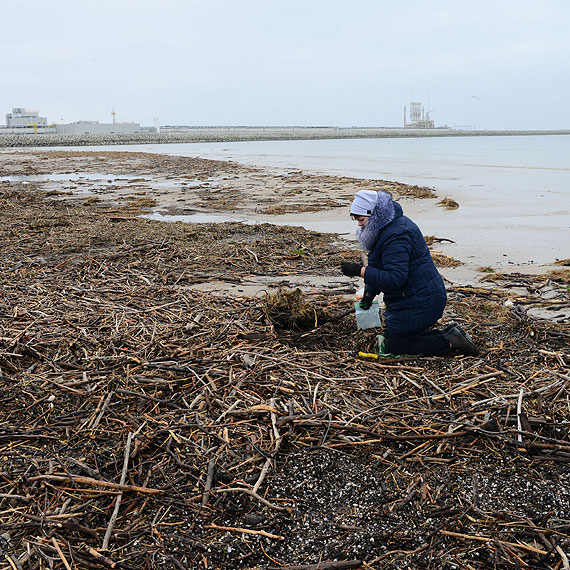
{"points": [[350, 269], [366, 301]]}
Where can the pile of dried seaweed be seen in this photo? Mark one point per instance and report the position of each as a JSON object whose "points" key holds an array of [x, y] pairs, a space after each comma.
{"points": [[448, 203], [147, 425], [290, 310]]}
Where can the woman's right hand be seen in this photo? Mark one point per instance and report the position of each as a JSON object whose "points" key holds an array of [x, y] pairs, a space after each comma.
{"points": [[350, 269]]}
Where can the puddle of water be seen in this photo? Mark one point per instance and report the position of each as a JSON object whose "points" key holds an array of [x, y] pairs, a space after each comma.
{"points": [[104, 179], [70, 177], [556, 314], [198, 218]]}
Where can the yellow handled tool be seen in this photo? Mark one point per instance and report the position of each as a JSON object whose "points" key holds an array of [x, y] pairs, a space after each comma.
{"points": [[368, 355]]}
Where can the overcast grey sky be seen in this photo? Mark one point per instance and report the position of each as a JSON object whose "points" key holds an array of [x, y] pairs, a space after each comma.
{"points": [[498, 64]]}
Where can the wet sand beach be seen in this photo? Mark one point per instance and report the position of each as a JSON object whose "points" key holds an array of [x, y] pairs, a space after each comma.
{"points": [[478, 234]]}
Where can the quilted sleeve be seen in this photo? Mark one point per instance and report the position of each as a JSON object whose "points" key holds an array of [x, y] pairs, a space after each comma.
{"points": [[395, 255]]}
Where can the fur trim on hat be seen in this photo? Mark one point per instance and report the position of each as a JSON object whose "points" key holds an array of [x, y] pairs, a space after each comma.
{"points": [[382, 214]]}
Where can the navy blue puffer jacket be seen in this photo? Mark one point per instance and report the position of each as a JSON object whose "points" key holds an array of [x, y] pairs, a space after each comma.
{"points": [[401, 267]]}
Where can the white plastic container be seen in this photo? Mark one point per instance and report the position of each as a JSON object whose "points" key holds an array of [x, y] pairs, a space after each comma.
{"points": [[367, 319]]}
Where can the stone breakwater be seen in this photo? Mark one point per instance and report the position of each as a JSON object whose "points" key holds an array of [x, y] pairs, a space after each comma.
{"points": [[232, 134]]}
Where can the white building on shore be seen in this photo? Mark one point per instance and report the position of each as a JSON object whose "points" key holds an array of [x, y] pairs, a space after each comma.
{"points": [[22, 121], [20, 117], [96, 128]]}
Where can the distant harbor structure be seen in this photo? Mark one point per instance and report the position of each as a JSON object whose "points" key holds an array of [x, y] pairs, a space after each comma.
{"points": [[419, 118], [23, 121], [96, 128], [22, 118], [26, 128]]}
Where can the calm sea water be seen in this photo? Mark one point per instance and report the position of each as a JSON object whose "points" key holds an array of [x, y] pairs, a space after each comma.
{"points": [[532, 162], [514, 192]]}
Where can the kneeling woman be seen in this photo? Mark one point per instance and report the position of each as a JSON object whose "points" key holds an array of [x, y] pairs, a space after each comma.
{"points": [[400, 266]]}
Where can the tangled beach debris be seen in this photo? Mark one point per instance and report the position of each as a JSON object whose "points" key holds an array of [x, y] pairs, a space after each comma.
{"points": [[148, 424]]}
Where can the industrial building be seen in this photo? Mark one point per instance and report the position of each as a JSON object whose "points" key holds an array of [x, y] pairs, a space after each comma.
{"points": [[20, 117], [419, 118], [21, 121], [96, 128]]}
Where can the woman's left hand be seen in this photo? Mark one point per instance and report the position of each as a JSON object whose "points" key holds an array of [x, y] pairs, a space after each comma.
{"points": [[366, 301]]}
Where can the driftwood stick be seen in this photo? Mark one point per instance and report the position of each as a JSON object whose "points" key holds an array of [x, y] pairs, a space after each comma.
{"points": [[262, 475], [526, 547], [565, 562], [269, 461], [60, 478], [245, 530], [104, 559], [519, 413], [60, 552], [327, 565], [465, 387], [541, 390], [15, 497], [252, 494], [102, 411], [385, 436], [14, 564], [209, 480], [408, 379], [120, 495], [69, 525]]}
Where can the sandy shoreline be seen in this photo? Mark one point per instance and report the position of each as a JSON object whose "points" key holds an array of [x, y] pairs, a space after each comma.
{"points": [[172, 188]]}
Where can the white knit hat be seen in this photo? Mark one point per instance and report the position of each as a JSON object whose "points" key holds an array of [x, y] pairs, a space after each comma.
{"points": [[364, 202]]}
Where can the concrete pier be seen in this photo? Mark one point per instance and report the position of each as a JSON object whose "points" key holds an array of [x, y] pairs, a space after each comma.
{"points": [[231, 134]]}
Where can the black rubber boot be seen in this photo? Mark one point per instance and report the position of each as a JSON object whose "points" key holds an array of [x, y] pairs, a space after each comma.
{"points": [[460, 340]]}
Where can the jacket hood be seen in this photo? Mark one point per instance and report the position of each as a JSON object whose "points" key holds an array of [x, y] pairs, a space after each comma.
{"points": [[383, 213]]}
